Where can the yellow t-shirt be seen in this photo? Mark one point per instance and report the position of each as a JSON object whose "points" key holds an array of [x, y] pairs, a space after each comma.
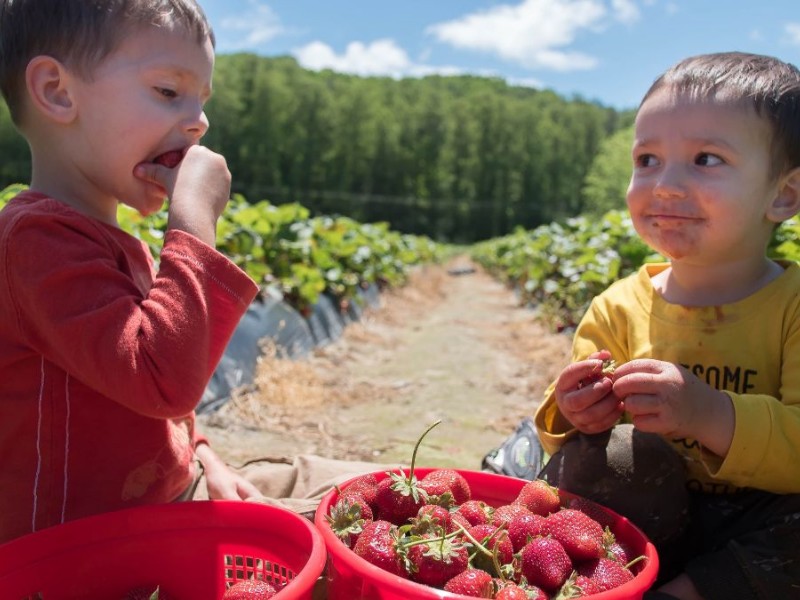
{"points": [[749, 349]]}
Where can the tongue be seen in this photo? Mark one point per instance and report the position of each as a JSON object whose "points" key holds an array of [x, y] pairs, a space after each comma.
{"points": [[169, 159]]}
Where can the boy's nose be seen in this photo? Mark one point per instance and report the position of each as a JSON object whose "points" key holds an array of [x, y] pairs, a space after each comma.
{"points": [[197, 124], [670, 183]]}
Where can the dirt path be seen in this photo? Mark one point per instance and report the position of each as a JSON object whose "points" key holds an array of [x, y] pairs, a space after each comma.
{"points": [[446, 346]]}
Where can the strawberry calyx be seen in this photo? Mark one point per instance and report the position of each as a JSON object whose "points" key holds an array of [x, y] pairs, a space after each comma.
{"points": [[348, 517]]}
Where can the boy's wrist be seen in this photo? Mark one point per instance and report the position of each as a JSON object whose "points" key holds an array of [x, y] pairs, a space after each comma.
{"points": [[716, 431]]}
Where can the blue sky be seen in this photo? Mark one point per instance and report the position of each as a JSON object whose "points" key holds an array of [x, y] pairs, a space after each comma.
{"points": [[603, 50]]}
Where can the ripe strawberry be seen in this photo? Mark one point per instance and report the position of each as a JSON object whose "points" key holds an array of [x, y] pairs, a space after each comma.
{"points": [[581, 536], [365, 486], [472, 582], [477, 512], [531, 591], [534, 593], [616, 549], [459, 521], [435, 560], [492, 540], [348, 516], [523, 528], [398, 498], [503, 515], [605, 573], [379, 544], [433, 519], [539, 497], [169, 159], [250, 589], [512, 592], [446, 487], [544, 563], [577, 586]]}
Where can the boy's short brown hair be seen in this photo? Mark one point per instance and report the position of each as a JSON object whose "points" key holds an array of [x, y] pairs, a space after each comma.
{"points": [[766, 84], [79, 33]]}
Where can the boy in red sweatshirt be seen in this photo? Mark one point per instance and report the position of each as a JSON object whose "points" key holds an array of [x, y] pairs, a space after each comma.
{"points": [[103, 354]]}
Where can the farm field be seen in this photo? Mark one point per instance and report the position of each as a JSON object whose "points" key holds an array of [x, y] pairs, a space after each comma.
{"points": [[452, 344]]}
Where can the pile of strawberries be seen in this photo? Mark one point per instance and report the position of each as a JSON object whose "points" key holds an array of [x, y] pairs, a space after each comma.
{"points": [[432, 531]]}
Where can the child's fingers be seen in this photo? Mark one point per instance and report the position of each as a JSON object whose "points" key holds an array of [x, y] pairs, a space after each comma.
{"points": [[599, 416], [154, 173], [576, 375], [247, 490]]}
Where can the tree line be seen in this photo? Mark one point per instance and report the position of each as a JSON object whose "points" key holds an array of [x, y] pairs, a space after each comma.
{"points": [[457, 158]]}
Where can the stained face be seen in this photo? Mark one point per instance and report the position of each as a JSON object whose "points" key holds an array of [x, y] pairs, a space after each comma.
{"points": [[701, 178]]}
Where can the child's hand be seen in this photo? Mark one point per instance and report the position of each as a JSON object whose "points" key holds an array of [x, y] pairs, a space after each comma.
{"points": [[198, 188], [667, 399], [223, 483], [584, 395]]}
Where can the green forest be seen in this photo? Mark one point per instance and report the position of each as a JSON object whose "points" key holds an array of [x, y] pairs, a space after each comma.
{"points": [[457, 158]]}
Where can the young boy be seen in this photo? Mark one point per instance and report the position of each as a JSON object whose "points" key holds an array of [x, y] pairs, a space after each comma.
{"points": [[102, 358], [707, 346]]}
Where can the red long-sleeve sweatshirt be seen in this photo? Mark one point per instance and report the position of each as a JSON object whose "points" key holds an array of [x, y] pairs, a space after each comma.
{"points": [[102, 362]]}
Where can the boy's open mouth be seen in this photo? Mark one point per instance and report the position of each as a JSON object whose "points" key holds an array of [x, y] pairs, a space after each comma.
{"points": [[169, 159]]}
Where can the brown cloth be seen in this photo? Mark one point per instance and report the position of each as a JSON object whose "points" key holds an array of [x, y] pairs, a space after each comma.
{"points": [[297, 483]]}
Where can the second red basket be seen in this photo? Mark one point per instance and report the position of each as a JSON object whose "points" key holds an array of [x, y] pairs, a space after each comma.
{"points": [[192, 550]]}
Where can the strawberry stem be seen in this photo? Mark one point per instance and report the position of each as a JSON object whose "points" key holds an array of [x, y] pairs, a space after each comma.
{"points": [[481, 548], [414, 454], [635, 560]]}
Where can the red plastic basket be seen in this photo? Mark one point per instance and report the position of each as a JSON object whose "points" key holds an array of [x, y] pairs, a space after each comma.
{"points": [[350, 577], [192, 550]]}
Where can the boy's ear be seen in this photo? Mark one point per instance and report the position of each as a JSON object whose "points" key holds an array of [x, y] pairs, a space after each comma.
{"points": [[48, 82], [786, 202]]}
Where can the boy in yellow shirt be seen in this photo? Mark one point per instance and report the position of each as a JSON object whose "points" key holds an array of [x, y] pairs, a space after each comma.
{"points": [[708, 344]]}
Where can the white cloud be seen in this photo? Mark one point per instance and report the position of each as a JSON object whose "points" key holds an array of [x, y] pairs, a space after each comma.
{"points": [[534, 33], [379, 58], [626, 10], [793, 32], [250, 29]]}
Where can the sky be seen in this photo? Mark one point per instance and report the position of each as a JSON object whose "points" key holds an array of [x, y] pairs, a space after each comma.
{"points": [[606, 51]]}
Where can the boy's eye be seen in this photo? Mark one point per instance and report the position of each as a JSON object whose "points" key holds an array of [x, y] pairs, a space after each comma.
{"points": [[705, 159], [645, 160], [166, 92]]}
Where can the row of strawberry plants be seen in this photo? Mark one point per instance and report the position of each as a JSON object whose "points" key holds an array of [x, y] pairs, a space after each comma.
{"points": [[299, 255], [558, 268]]}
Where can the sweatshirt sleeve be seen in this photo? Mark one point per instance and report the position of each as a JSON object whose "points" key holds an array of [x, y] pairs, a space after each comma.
{"points": [[91, 305], [765, 448]]}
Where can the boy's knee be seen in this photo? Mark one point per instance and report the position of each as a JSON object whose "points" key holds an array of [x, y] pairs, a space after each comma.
{"points": [[636, 474]]}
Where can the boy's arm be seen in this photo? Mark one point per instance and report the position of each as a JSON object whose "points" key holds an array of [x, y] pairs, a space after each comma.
{"points": [[80, 303], [765, 450]]}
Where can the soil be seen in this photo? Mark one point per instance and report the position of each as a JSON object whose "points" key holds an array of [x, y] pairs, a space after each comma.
{"points": [[452, 345]]}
